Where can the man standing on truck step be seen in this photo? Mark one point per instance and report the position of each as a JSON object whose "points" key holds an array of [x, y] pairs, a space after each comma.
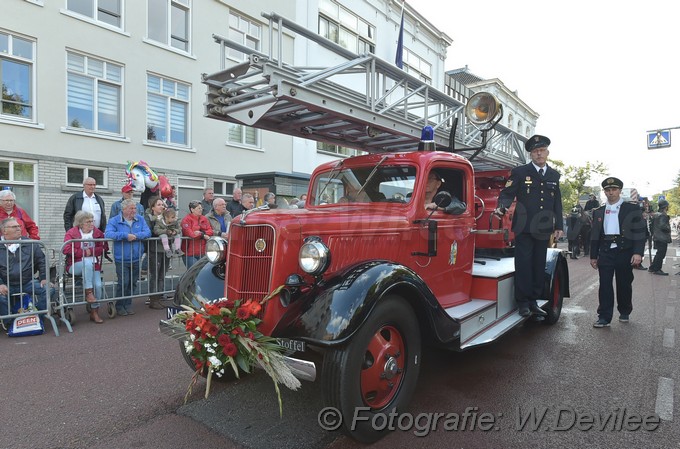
{"points": [[616, 247], [538, 214]]}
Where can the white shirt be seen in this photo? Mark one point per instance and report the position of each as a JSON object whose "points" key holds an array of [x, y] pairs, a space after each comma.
{"points": [[611, 219], [91, 205], [538, 169]]}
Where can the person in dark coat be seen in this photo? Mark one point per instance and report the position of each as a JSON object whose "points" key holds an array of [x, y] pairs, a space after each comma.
{"points": [[538, 215], [574, 230], [88, 201], [616, 246], [661, 235]]}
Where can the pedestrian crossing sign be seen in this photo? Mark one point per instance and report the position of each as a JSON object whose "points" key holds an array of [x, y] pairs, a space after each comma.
{"points": [[658, 139]]}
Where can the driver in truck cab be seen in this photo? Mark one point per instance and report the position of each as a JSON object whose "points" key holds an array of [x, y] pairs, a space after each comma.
{"points": [[434, 185]]}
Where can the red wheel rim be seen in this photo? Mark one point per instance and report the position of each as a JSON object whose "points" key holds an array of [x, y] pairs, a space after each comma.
{"points": [[556, 292], [382, 369]]}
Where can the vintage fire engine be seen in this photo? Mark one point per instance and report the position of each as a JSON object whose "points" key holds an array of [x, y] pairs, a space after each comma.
{"points": [[369, 274]]}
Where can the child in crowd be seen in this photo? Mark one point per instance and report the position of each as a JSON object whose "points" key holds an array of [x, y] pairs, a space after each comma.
{"points": [[168, 227]]}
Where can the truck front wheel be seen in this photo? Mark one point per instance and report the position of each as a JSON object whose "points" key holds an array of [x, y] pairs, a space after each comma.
{"points": [[555, 304], [376, 372]]}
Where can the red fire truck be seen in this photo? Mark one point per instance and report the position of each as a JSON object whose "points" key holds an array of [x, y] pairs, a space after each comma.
{"points": [[370, 275]]}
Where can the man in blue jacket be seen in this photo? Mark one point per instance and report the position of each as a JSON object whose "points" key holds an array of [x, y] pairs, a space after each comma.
{"points": [[127, 230]]}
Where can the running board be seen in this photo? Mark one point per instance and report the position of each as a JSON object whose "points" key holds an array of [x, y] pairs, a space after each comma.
{"points": [[497, 329]]}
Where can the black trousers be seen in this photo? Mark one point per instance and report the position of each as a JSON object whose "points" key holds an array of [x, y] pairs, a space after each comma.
{"points": [[530, 252], [661, 248], [615, 263]]}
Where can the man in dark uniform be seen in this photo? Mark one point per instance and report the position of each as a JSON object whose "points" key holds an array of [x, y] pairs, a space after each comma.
{"points": [[617, 244], [538, 214], [592, 203]]}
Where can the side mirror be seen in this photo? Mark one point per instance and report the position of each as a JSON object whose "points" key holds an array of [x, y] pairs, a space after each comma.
{"points": [[442, 199]]}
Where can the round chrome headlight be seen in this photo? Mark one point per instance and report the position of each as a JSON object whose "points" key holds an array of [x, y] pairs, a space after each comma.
{"points": [[482, 108], [314, 257], [216, 250]]}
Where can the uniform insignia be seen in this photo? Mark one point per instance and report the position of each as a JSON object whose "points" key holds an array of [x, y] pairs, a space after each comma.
{"points": [[529, 178], [454, 253], [610, 181], [509, 183]]}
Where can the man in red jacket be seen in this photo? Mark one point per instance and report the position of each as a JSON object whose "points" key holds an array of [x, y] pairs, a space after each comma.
{"points": [[9, 209]]}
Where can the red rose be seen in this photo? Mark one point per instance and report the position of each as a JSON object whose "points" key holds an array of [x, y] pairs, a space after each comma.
{"points": [[230, 350], [223, 340], [212, 330], [197, 346], [255, 308]]}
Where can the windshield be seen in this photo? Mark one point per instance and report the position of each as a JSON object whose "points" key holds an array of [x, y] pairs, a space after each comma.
{"points": [[388, 184]]}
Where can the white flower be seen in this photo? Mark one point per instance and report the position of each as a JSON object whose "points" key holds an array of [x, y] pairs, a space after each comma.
{"points": [[214, 361], [192, 336], [209, 349], [188, 346]]}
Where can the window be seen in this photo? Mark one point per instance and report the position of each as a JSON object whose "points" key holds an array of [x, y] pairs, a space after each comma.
{"points": [[76, 175], [168, 22], [519, 126], [511, 119], [527, 132], [337, 149], [17, 58], [245, 32], [417, 66], [20, 177], [94, 94], [243, 135], [223, 188], [167, 110], [345, 28], [106, 11]]}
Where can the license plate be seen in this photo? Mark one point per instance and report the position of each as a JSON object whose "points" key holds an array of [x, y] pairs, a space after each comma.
{"points": [[172, 311], [292, 345]]}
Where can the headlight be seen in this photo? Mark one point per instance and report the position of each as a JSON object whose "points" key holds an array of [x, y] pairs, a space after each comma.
{"points": [[482, 108], [216, 250], [314, 256]]}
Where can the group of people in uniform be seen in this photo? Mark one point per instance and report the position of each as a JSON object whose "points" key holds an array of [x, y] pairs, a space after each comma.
{"points": [[616, 243]]}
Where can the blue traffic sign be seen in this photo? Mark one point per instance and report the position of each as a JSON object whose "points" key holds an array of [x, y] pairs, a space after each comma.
{"points": [[659, 139]]}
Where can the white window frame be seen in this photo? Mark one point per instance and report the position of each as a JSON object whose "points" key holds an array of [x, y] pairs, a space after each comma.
{"points": [[12, 118], [33, 184], [342, 20], [169, 101], [86, 174], [97, 80], [241, 30], [337, 150], [94, 19], [417, 66], [185, 5], [242, 142], [223, 185]]}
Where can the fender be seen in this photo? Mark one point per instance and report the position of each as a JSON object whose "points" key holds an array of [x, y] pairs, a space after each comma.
{"points": [[202, 279], [555, 262], [334, 309]]}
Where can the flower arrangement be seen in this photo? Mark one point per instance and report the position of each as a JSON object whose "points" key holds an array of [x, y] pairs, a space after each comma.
{"points": [[223, 336]]}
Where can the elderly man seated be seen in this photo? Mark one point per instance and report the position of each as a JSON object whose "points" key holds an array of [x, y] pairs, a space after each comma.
{"points": [[18, 264]]}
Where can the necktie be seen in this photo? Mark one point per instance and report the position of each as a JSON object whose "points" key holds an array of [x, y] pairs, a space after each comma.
{"points": [[541, 172]]}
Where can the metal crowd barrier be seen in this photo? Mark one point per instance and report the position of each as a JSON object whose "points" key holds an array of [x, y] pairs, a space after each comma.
{"points": [[71, 291], [18, 287]]}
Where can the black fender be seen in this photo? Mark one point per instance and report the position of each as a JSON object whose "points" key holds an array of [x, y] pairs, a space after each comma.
{"points": [[556, 263], [203, 280], [334, 309]]}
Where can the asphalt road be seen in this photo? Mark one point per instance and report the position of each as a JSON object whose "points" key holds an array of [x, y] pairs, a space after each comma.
{"points": [[122, 385]]}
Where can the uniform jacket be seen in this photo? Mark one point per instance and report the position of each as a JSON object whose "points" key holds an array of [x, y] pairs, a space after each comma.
{"points": [[74, 252], [661, 228], [28, 227], [631, 228], [22, 264], [117, 229], [195, 246], [539, 201], [75, 203]]}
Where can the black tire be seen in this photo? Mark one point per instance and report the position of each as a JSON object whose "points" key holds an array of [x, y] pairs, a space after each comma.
{"points": [[351, 376], [554, 306], [228, 375]]}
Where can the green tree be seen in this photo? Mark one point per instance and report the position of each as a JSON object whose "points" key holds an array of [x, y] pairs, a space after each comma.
{"points": [[574, 179], [673, 198], [11, 103]]}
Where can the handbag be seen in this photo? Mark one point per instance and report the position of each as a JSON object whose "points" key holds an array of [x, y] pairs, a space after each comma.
{"points": [[28, 324]]}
